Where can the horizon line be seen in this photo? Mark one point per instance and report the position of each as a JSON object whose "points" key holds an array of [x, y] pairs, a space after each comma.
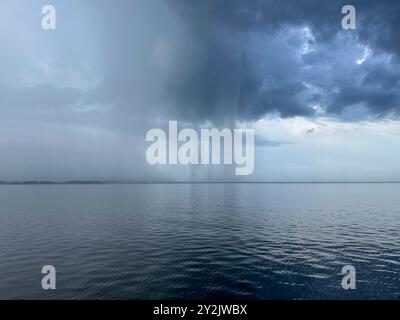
{"points": [[52, 182]]}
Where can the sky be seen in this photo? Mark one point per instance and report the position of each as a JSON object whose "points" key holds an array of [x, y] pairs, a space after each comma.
{"points": [[76, 102]]}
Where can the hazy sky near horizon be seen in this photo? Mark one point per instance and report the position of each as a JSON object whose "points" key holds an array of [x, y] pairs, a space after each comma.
{"points": [[76, 102]]}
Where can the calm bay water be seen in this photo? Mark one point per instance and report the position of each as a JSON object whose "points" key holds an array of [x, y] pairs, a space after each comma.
{"points": [[245, 241]]}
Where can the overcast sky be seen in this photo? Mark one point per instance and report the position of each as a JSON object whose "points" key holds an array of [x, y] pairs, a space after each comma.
{"points": [[76, 102]]}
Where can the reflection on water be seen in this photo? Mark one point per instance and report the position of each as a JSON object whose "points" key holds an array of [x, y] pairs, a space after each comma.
{"points": [[245, 241]]}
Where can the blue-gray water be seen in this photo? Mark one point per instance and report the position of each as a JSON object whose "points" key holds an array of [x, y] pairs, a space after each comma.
{"points": [[245, 241]]}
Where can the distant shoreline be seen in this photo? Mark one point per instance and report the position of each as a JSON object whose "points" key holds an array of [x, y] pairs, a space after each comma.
{"points": [[105, 182]]}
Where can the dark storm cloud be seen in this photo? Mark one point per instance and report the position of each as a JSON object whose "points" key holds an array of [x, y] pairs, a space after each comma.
{"points": [[213, 60], [379, 17], [378, 101], [228, 60], [223, 77]]}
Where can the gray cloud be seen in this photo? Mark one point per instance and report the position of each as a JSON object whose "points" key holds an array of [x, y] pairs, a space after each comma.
{"points": [[261, 142], [224, 76], [220, 61]]}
